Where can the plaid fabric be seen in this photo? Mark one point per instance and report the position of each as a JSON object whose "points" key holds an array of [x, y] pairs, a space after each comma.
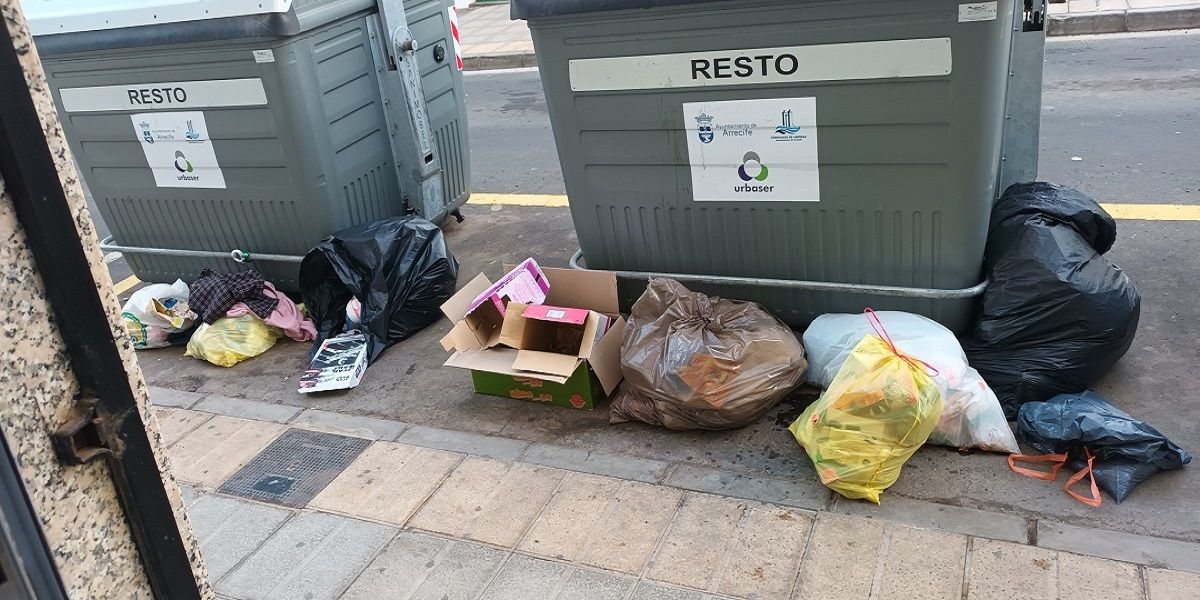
{"points": [[214, 293]]}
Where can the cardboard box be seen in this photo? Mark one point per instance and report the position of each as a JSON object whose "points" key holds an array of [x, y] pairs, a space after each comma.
{"points": [[569, 346], [478, 309]]}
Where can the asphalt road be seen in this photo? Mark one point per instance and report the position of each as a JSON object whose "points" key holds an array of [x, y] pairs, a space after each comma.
{"points": [[1116, 103]]}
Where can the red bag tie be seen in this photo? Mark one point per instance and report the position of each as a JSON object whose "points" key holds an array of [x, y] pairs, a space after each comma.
{"points": [[1095, 499], [912, 361]]}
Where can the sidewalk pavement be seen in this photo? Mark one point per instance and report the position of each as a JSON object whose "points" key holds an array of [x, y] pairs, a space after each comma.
{"points": [[491, 40], [290, 503]]}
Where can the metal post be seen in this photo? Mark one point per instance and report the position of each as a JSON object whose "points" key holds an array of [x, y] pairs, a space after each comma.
{"points": [[28, 168]]}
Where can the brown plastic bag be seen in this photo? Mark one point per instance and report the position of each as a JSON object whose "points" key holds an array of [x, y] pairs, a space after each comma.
{"points": [[694, 362]]}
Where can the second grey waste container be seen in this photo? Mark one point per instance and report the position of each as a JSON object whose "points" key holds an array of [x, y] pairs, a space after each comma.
{"points": [[831, 154], [202, 128]]}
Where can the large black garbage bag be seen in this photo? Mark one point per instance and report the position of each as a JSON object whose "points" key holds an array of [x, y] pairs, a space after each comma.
{"points": [[1056, 314], [400, 270], [1126, 451]]}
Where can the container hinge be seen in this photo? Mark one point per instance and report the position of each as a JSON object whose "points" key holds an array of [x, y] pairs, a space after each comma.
{"points": [[86, 435], [1034, 16]]}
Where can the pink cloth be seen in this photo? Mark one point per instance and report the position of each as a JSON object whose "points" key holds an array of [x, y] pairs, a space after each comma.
{"points": [[286, 316]]}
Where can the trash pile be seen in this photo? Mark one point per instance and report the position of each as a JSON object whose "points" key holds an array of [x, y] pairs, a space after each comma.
{"points": [[1055, 317], [364, 288]]}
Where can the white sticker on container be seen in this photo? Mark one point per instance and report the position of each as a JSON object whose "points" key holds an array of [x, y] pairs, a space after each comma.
{"points": [[178, 149], [881, 59], [263, 56], [166, 95], [977, 11], [556, 314], [753, 150]]}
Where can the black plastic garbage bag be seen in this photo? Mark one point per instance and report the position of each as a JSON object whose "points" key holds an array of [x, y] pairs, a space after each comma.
{"points": [[1126, 451], [400, 270], [1056, 314]]}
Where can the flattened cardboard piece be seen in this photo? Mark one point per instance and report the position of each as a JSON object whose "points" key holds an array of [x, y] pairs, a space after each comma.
{"points": [[545, 363], [593, 290], [606, 357], [526, 284], [496, 360]]}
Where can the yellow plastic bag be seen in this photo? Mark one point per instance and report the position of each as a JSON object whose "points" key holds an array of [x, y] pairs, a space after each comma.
{"points": [[878, 410], [231, 340]]}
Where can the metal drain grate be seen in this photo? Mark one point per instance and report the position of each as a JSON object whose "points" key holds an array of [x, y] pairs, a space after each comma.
{"points": [[295, 467]]}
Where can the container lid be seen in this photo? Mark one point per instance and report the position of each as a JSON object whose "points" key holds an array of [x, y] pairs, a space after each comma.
{"points": [[532, 9], [47, 17]]}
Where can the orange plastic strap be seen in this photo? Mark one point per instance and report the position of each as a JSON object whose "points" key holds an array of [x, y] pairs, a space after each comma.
{"points": [[1056, 462], [912, 361], [1095, 499]]}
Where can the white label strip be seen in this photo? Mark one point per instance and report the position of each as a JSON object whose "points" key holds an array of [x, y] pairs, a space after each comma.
{"points": [[170, 95], [977, 11], [930, 57]]}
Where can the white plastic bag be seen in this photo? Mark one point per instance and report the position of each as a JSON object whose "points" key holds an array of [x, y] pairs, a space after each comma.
{"points": [[155, 311], [972, 417]]}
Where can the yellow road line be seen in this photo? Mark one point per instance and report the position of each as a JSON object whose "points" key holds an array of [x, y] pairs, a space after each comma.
{"points": [[126, 284], [1139, 212], [550, 200], [1154, 212]]}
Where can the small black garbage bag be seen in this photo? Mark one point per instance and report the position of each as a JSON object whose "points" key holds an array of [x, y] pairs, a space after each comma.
{"points": [[400, 270], [1127, 451], [1056, 314]]}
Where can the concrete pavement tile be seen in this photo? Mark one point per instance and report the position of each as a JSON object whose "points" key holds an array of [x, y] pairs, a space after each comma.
{"points": [[696, 540], [629, 531], [836, 543], [1087, 578], [598, 463], [420, 567], [174, 423], [653, 591], [573, 515], [461, 441], [388, 482], [514, 504], [1117, 545], [765, 555], [1172, 585], [969, 521], [804, 492], [526, 578], [488, 500], [160, 396], [314, 556], [463, 494], [229, 530], [219, 447], [583, 584], [189, 493], [351, 425], [1006, 571], [923, 563], [247, 409]]}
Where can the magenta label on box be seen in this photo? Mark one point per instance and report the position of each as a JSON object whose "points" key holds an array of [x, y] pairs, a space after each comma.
{"points": [[526, 284]]}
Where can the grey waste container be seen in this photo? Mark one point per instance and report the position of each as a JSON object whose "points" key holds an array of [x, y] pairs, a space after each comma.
{"points": [[208, 129], [815, 156]]}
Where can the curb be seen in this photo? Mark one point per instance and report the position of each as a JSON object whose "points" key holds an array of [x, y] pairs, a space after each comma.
{"points": [[499, 61], [1119, 21]]}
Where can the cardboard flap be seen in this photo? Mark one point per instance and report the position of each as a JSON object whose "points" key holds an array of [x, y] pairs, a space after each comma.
{"points": [[606, 357], [532, 361], [590, 326], [593, 290], [557, 314], [459, 304], [512, 331], [495, 360]]}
